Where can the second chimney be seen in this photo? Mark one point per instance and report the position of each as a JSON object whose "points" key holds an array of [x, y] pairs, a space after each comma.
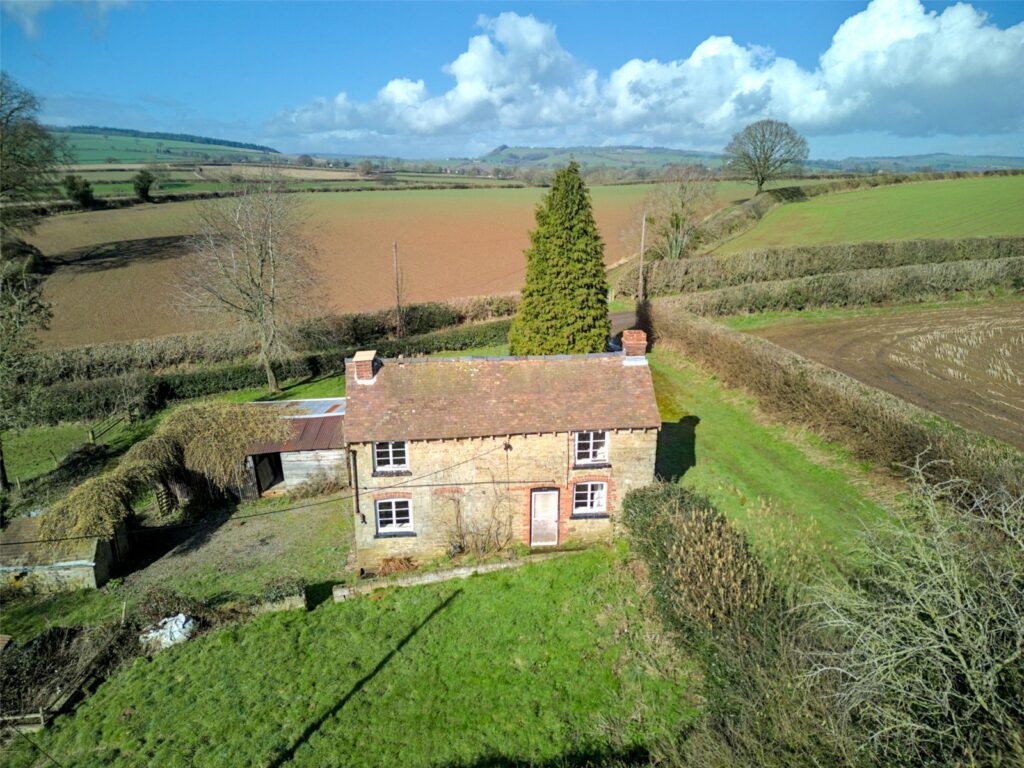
{"points": [[634, 343], [365, 363]]}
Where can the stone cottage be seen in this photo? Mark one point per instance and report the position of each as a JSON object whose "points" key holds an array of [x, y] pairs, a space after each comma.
{"points": [[480, 452]]}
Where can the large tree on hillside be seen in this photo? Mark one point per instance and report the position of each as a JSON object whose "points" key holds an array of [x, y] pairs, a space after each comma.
{"points": [[23, 312], [766, 150], [250, 263], [29, 155], [564, 308]]}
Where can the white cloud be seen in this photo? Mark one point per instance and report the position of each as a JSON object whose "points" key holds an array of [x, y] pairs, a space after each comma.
{"points": [[894, 68], [26, 12]]}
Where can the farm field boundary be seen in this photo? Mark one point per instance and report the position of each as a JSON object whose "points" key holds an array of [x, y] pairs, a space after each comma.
{"points": [[666, 277], [195, 349], [956, 206], [911, 283], [100, 397], [963, 362], [876, 425]]}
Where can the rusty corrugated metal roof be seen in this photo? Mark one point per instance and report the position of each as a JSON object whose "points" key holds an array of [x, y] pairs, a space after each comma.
{"points": [[310, 433]]}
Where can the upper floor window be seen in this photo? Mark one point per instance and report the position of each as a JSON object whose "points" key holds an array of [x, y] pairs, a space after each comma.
{"points": [[390, 456], [394, 515], [591, 447]]}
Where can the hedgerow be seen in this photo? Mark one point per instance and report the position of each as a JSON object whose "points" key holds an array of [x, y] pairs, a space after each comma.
{"points": [[83, 399], [912, 283], [168, 352], [876, 425], [671, 276]]}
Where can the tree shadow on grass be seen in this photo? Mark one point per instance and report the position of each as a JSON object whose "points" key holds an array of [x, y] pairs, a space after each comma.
{"points": [[289, 754], [121, 253], [677, 448]]}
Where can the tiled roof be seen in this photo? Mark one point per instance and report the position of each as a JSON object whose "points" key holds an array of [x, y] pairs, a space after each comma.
{"points": [[437, 398]]}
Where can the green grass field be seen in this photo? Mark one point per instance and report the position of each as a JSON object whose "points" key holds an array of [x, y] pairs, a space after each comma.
{"points": [[929, 209], [97, 148], [787, 492], [551, 661]]}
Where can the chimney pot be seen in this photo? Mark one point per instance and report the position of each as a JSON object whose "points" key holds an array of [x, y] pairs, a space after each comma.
{"points": [[634, 343]]}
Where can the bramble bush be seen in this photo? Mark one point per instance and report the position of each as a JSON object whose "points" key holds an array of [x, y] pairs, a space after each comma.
{"points": [[703, 572]]}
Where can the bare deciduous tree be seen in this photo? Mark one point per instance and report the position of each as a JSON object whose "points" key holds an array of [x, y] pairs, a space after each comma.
{"points": [[29, 155], [675, 212], [250, 262], [766, 150]]}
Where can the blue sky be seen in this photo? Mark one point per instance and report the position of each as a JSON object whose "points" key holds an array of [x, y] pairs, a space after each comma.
{"points": [[435, 79]]}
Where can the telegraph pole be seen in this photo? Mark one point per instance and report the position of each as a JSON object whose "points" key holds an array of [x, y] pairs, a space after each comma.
{"points": [[398, 293], [643, 239]]}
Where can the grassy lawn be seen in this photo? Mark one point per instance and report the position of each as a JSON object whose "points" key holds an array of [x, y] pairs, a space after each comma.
{"points": [[552, 661], [929, 209], [785, 492]]}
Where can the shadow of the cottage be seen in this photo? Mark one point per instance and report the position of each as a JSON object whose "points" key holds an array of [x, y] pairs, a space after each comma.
{"points": [[677, 448]]}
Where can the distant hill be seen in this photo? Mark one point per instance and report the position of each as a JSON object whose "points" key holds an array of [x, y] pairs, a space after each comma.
{"points": [[659, 157], [92, 144], [938, 161], [592, 157]]}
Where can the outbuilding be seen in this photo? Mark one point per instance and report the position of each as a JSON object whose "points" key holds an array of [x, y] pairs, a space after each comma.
{"points": [[315, 447], [28, 561]]}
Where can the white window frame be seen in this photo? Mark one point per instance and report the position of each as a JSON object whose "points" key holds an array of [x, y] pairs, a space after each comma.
{"points": [[388, 446], [587, 488], [392, 527], [587, 438]]}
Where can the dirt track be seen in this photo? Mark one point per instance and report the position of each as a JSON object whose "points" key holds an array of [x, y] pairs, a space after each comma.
{"points": [[964, 363]]}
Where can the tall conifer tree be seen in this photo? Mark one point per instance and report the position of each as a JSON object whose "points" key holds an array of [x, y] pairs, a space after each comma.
{"points": [[564, 309]]}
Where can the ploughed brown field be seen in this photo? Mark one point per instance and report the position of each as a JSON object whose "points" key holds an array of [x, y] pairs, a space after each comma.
{"points": [[114, 271], [965, 363]]}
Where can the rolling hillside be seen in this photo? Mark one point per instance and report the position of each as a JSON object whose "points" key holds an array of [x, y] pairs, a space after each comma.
{"points": [[111, 145]]}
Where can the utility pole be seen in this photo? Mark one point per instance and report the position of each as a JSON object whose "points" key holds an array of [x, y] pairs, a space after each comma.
{"points": [[643, 242], [398, 293]]}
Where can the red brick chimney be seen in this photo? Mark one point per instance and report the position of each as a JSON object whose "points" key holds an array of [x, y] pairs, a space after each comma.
{"points": [[634, 343], [365, 363]]}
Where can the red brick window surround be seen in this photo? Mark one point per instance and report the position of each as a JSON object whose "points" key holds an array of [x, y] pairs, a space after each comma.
{"points": [[590, 499]]}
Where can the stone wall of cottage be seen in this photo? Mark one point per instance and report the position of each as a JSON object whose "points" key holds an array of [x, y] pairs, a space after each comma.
{"points": [[473, 489]]}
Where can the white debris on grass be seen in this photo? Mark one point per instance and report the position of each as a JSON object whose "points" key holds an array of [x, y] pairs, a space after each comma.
{"points": [[168, 632]]}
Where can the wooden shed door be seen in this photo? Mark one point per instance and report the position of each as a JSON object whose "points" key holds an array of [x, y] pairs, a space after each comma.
{"points": [[543, 518]]}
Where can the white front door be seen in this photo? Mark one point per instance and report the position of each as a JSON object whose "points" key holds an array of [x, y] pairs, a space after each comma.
{"points": [[543, 518]]}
